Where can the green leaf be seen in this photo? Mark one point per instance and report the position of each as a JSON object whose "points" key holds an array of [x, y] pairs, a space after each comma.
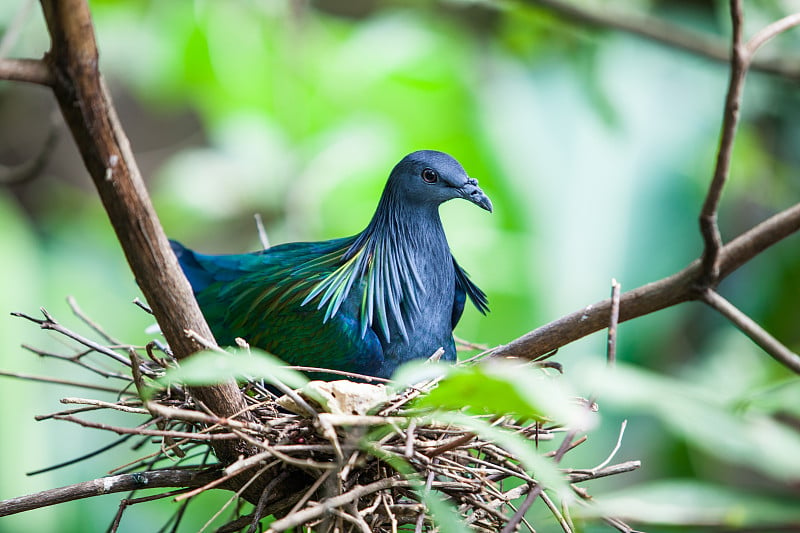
{"points": [[507, 388], [686, 503], [702, 416], [211, 367]]}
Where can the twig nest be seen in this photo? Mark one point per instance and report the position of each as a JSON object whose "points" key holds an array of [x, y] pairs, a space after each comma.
{"points": [[338, 397]]}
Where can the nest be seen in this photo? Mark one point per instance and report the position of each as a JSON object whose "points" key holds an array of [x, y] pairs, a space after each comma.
{"points": [[365, 460]]}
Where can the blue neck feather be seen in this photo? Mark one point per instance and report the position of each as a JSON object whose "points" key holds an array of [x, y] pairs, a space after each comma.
{"points": [[383, 262]]}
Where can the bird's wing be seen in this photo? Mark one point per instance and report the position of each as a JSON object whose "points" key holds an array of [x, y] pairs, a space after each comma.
{"points": [[258, 297], [465, 287], [387, 280]]}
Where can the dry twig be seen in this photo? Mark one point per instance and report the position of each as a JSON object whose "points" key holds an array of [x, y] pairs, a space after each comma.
{"points": [[363, 491]]}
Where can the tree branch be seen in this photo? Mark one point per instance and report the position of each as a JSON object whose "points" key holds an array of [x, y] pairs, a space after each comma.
{"points": [[33, 167], [696, 281], [108, 485], [709, 228], [658, 30], [87, 109], [768, 32], [749, 327], [669, 291], [27, 70]]}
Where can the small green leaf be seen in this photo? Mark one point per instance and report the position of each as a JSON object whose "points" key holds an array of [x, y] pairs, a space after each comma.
{"points": [[507, 388]]}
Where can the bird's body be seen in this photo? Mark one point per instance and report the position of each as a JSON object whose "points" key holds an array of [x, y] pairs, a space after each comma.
{"points": [[362, 304]]}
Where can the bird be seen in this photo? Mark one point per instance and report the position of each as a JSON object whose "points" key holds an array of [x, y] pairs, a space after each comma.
{"points": [[363, 304]]}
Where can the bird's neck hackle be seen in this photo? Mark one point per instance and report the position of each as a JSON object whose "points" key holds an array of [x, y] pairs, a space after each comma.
{"points": [[403, 224]]}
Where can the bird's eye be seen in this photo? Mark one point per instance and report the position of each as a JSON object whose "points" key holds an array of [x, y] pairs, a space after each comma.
{"points": [[429, 175]]}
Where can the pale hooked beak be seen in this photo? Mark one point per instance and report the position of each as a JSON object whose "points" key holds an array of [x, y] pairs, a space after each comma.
{"points": [[474, 194]]}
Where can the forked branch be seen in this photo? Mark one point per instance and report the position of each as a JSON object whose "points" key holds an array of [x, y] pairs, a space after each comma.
{"points": [[717, 261]]}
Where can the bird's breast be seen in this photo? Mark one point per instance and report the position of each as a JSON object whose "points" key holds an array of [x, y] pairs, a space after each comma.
{"points": [[429, 323]]}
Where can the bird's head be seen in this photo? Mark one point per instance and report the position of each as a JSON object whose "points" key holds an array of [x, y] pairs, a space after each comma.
{"points": [[430, 178]]}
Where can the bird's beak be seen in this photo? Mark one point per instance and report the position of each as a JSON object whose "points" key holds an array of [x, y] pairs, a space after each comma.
{"points": [[474, 194]]}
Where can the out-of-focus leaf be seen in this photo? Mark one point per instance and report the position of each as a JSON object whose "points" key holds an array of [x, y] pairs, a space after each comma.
{"points": [[507, 388], [414, 373], [210, 367], [684, 502], [700, 416], [782, 397]]}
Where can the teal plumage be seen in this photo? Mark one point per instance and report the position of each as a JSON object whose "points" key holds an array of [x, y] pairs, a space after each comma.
{"points": [[363, 304]]}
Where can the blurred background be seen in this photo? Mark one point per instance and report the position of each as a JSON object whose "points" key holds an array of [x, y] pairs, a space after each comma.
{"points": [[595, 146]]}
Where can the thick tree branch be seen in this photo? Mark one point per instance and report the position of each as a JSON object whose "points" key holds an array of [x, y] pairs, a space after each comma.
{"points": [[87, 109], [155, 479]]}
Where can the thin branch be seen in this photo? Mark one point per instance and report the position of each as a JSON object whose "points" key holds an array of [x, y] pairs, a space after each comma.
{"points": [[258, 513], [512, 524], [126, 502], [666, 292], [187, 415], [577, 476], [661, 31], [613, 322], [50, 323], [26, 70], [262, 231], [749, 327], [154, 432], [616, 447], [107, 485], [32, 168], [556, 513], [311, 513], [58, 381], [80, 458], [78, 359], [106, 405], [770, 31], [78, 312], [708, 215], [344, 374]]}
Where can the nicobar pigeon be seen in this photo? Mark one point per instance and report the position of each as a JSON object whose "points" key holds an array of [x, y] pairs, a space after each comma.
{"points": [[363, 304]]}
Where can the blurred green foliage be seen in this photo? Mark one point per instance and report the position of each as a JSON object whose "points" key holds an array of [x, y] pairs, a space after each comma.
{"points": [[595, 147]]}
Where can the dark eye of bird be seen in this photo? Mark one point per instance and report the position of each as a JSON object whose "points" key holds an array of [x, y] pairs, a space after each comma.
{"points": [[429, 175]]}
